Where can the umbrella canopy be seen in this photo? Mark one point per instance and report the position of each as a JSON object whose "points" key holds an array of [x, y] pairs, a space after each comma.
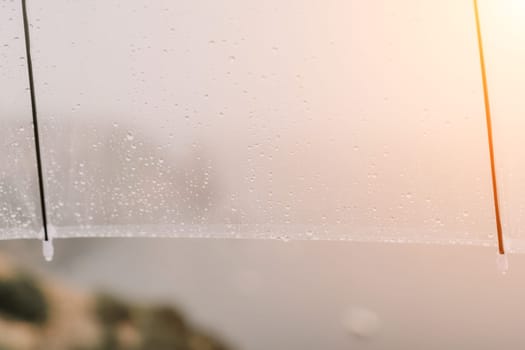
{"points": [[345, 120]]}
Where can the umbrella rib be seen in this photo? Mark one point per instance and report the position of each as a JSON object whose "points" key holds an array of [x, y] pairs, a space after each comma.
{"points": [[35, 119], [501, 247]]}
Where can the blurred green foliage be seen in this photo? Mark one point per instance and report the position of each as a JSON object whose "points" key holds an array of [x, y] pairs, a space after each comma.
{"points": [[22, 299], [160, 328], [111, 311]]}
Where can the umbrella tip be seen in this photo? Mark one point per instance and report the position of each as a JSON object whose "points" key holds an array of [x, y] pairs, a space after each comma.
{"points": [[47, 245], [502, 263], [48, 250]]}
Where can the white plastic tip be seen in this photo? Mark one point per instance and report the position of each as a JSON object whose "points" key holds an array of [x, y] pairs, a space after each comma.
{"points": [[503, 263], [48, 250]]}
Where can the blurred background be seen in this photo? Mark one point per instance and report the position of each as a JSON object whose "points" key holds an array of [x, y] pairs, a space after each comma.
{"points": [[301, 295]]}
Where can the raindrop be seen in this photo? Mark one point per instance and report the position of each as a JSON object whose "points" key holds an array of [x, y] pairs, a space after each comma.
{"points": [[361, 323], [129, 136]]}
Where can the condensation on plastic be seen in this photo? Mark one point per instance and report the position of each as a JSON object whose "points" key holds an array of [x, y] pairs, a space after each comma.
{"points": [[19, 207], [345, 120]]}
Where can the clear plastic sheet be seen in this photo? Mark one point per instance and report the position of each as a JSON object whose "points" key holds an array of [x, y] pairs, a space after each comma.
{"points": [[19, 206], [346, 120]]}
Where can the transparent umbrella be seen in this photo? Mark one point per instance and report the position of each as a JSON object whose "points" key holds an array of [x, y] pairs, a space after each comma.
{"points": [[341, 120]]}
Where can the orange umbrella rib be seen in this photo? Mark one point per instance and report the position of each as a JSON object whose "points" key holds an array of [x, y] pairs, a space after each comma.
{"points": [[501, 247]]}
